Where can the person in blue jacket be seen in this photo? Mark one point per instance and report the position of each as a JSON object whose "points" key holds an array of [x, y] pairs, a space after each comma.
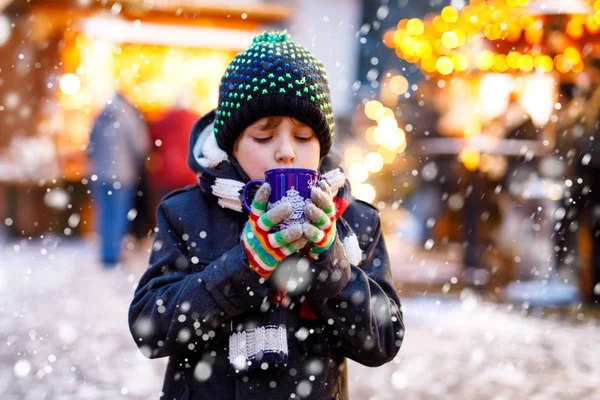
{"points": [[119, 144], [242, 311]]}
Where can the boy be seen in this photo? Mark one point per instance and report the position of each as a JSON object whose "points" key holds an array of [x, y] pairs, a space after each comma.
{"points": [[210, 300]]}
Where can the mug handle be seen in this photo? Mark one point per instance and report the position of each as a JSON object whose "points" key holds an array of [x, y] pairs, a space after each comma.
{"points": [[245, 191]]}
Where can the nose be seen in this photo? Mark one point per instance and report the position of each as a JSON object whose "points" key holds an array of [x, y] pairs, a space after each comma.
{"points": [[285, 153]]}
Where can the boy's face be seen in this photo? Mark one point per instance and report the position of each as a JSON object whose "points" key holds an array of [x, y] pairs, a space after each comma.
{"points": [[276, 142]]}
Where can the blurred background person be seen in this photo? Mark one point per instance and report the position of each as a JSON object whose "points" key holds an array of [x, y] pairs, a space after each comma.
{"points": [[168, 170], [581, 202], [587, 198], [119, 143]]}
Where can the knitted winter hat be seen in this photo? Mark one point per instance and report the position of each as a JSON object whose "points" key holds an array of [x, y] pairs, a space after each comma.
{"points": [[273, 77]]}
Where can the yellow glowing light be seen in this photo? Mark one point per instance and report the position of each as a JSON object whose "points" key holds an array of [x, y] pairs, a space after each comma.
{"points": [[401, 148], [395, 141], [384, 112], [527, 22], [572, 55], [398, 37], [388, 155], [461, 62], [489, 32], [470, 158], [380, 135], [444, 65], [450, 14], [485, 60], [398, 85], [591, 24], [374, 162], [365, 192], [526, 63], [369, 135], [353, 155], [544, 63], [534, 36], [425, 49], [575, 29], [500, 64], [371, 108], [415, 27], [514, 32], [597, 15], [70, 84], [357, 173], [428, 64], [439, 25], [388, 123], [513, 59], [450, 40], [561, 63], [388, 38]]}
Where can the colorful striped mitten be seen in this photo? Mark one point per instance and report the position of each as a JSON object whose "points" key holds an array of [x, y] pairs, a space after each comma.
{"points": [[265, 250], [322, 231]]}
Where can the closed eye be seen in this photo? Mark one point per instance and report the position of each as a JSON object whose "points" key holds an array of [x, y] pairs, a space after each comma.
{"points": [[304, 137], [262, 139]]}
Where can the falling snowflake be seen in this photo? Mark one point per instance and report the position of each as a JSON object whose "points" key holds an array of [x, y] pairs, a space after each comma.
{"points": [[22, 368]]}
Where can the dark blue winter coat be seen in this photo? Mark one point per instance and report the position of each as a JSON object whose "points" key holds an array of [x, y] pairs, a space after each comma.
{"points": [[198, 280]]}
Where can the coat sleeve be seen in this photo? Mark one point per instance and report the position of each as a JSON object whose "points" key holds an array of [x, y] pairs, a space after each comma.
{"points": [[174, 307], [360, 302]]}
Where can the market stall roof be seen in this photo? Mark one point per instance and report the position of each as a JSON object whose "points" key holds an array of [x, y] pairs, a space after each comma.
{"points": [[484, 144], [558, 7], [118, 30], [499, 36], [177, 10]]}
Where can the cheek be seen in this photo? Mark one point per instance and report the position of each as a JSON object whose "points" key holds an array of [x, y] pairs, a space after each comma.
{"points": [[253, 159], [310, 156]]}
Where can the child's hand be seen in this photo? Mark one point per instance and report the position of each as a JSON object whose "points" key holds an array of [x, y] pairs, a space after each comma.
{"points": [[322, 231], [265, 250]]}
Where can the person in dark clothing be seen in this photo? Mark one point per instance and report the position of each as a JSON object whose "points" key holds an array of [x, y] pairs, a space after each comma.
{"points": [[236, 317], [581, 203]]}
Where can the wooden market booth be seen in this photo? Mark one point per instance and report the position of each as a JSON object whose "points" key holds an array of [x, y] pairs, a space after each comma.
{"points": [[59, 61]]}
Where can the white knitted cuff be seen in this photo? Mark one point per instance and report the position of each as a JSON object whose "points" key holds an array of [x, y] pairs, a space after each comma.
{"points": [[245, 345]]}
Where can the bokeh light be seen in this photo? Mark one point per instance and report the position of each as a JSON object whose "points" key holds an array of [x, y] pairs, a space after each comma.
{"points": [[365, 192], [470, 158], [371, 108], [357, 173], [70, 84], [374, 162], [399, 85]]}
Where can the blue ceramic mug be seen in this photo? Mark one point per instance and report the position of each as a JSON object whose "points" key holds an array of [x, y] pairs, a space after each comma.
{"points": [[288, 185]]}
